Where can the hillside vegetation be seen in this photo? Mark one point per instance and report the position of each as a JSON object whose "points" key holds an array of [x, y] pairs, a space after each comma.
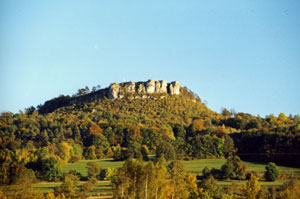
{"points": [[36, 143]]}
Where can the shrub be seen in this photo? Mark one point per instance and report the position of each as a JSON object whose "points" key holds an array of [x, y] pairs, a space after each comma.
{"points": [[106, 174], [272, 172], [93, 169]]}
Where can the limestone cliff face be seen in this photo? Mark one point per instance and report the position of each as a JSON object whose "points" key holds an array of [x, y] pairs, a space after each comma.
{"points": [[135, 89], [118, 90]]}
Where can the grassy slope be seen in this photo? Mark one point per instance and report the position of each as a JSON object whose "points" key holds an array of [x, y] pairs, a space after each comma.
{"points": [[101, 186], [81, 166], [198, 165], [194, 165]]}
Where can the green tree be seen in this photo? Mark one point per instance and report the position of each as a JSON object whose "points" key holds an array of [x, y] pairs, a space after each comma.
{"points": [[209, 188], [85, 189], [229, 148], [106, 174], [234, 169], [167, 150], [272, 172], [50, 169], [21, 175], [206, 172], [67, 188], [89, 153], [93, 169]]}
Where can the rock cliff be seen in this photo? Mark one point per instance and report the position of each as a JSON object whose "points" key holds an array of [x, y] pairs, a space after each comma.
{"points": [[132, 89], [142, 89]]}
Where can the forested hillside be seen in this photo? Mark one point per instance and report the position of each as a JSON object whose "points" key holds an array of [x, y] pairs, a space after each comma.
{"points": [[39, 140]]}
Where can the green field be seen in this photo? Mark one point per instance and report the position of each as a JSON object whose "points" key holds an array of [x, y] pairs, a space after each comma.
{"points": [[81, 166], [195, 166], [243, 182], [191, 165], [198, 165], [100, 187]]}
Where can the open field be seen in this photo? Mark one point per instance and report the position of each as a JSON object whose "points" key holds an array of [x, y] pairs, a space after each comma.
{"points": [[191, 165], [198, 165], [103, 187], [243, 182], [81, 166], [195, 166]]}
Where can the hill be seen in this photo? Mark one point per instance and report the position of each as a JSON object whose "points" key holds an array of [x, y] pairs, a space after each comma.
{"points": [[135, 120]]}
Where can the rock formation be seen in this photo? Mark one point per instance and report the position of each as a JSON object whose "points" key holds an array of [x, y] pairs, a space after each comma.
{"points": [[118, 90], [134, 89]]}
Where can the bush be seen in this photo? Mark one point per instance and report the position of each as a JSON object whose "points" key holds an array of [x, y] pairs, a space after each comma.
{"points": [[93, 169], [167, 150], [234, 169], [106, 174], [50, 170], [74, 159], [206, 172], [67, 188], [272, 172]]}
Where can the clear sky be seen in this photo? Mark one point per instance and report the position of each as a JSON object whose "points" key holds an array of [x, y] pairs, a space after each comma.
{"points": [[241, 55]]}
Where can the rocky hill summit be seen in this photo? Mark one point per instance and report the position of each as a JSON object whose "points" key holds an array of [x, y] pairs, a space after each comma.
{"points": [[133, 89], [142, 89], [128, 90]]}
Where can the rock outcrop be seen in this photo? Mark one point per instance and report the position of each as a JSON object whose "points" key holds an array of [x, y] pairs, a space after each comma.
{"points": [[133, 89], [118, 90]]}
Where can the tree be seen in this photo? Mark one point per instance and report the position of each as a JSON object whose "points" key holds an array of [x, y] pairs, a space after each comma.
{"points": [[20, 175], [177, 180], [93, 169], [290, 190], [167, 150], [226, 113], [209, 188], [206, 172], [125, 183], [67, 188], [195, 127], [145, 152], [106, 174], [50, 169], [95, 129], [234, 169], [252, 189], [229, 149], [133, 151], [160, 180], [89, 153], [272, 172], [85, 189]]}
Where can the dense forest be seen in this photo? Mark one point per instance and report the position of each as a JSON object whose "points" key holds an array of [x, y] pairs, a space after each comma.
{"points": [[36, 142]]}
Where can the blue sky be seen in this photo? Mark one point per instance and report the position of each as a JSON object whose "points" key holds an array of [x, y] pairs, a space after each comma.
{"points": [[241, 55]]}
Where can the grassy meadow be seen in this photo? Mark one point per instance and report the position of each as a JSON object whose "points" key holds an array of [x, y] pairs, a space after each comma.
{"points": [[103, 188], [81, 166], [191, 165]]}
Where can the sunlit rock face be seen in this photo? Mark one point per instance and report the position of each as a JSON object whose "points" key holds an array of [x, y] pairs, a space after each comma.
{"points": [[150, 86], [118, 90], [174, 88], [141, 88], [133, 90], [161, 86], [113, 91]]}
